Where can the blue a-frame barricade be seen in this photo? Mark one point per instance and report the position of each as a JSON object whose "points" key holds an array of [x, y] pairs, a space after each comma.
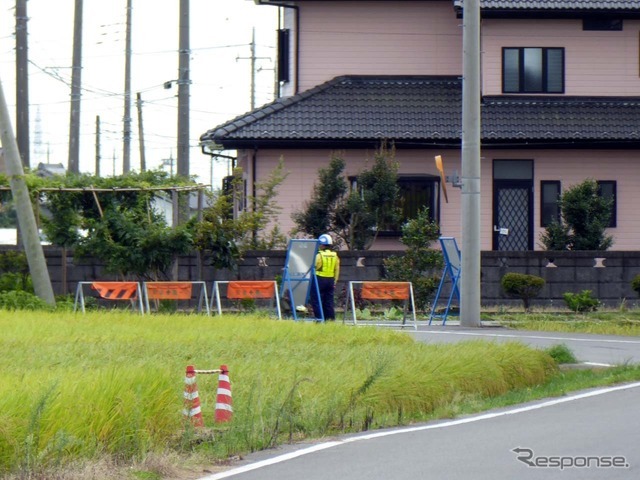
{"points": [[298, 277], [451, 273]]}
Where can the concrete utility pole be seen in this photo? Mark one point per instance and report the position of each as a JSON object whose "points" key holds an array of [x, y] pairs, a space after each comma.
{"points": [[253, 60], [143, 160], [76, 75], [97, 145], [22, 82], [126, 137], [183, 91], [253, 68], [470, 279], [24, 209]]}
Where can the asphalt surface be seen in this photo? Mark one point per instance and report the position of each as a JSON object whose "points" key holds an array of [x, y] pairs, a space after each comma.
{"points": [[593, 349], [586, 435], [591, 435]]}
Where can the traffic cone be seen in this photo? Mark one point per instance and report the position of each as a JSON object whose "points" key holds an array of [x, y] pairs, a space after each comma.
{"points": [[224, 410], [192, 399]]}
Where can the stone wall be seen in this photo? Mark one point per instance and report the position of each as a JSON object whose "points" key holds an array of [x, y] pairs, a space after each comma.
{"points": [[607, 274]]}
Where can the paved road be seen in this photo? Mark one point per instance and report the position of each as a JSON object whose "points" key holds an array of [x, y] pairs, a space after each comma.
{"points": [[599, 428], [597, 349]]}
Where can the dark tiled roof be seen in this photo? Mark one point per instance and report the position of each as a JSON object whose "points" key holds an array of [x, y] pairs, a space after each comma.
{"points": [[556, 5], [355, 108], [561, 119], [421, 111]]}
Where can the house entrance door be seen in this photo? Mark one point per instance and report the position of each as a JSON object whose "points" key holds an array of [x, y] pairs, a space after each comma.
{"points": [[513, 205]]}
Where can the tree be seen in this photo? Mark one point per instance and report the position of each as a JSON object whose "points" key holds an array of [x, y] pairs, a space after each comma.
{"points": [[117, 219], [254, 222], [134, 242], [217, 232], [420, 262], [225, 237], [357, 216], [585, 215], [318, 215]]}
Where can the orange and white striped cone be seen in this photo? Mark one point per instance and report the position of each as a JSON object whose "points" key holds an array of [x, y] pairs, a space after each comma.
{"points": [[224, 410], [192, 408]]}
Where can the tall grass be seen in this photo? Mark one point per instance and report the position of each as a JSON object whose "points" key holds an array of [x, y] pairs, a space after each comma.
{"points": [[76, 386]]}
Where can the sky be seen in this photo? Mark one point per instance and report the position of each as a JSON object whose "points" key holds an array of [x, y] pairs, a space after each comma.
{"points": [[220, 72]]}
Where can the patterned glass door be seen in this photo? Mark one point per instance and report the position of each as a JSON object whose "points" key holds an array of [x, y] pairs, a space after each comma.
{"points": [[512, 215]]}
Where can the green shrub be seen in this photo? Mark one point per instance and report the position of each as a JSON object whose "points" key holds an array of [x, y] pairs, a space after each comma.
{"points": [[561, 354], [635, 284], [585, 215], [581, 302], [14, 272], [20, 300], [419, 264], [522, 286]]}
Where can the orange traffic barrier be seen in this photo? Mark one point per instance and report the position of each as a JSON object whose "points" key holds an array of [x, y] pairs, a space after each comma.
{"points": [[116, 290], [112, 291], [224, 408], [192, 408], [382, 291], [251, 289], [247, 289], [386, 290], [169, 290]]}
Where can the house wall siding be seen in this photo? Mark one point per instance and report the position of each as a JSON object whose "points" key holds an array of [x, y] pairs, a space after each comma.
{"points": [[567, 166], [377, 38], [596, 62]]}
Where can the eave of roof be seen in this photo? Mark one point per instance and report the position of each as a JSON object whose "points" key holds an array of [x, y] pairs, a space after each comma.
{"points": [[555, 8], [421, 112]]}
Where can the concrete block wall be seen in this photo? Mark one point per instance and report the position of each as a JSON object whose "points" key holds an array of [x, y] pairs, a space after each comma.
{"points": [[607, 274]]}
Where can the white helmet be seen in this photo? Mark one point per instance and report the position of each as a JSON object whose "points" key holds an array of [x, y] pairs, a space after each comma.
{"points": [[325, 239]]}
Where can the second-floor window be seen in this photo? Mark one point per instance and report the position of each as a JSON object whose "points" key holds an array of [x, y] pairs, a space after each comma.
{"points": [[532, 70]]}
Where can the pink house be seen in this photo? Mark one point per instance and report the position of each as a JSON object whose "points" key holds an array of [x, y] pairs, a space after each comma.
{"points": [[560, 104]]}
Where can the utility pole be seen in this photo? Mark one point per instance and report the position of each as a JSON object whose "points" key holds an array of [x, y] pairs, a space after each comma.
{"points": [[470, 279], [24, 210], [183, 91], [253, 59], [253, 68], [76, 71], [126, 140], [97, 145], [143, 161], [22, 82]]}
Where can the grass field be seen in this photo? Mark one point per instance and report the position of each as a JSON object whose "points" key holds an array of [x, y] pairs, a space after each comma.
{"points": [[106, 389], [79, 387]]}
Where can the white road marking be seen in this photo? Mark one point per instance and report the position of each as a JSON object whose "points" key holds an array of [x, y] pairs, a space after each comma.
{"points": [[596, 364], [450, 423]]}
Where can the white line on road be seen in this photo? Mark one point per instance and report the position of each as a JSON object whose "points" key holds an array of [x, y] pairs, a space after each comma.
{"points": [[596, 364], [451, 423], [537, 337]]}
